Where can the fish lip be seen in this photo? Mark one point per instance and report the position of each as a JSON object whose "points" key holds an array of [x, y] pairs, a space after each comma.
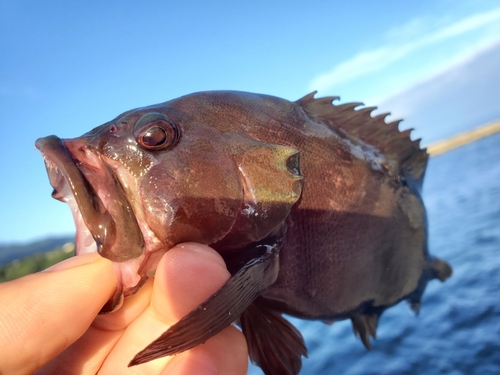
{"points": [[67, 177]]}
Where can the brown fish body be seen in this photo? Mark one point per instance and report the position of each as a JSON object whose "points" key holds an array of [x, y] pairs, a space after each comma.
{"points": [[358, 233], [315, 208]]}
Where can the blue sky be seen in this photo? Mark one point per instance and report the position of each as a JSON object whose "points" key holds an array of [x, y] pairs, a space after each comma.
{"points": [[66, 67]]}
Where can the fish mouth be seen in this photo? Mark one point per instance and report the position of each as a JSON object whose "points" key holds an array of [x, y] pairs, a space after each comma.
{"points": [[103, 216]]}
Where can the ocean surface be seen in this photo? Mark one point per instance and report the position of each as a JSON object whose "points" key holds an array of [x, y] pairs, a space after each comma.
{"points": [[458, 328]]}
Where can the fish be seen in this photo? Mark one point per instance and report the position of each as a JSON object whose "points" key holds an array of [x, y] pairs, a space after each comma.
{"points": [[315, 207]]}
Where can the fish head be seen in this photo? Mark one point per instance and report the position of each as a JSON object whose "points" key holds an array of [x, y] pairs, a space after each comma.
{"points": [[157, 176]]}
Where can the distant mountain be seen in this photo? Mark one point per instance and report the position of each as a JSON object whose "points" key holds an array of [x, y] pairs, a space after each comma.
{"points": [[10, 252]]}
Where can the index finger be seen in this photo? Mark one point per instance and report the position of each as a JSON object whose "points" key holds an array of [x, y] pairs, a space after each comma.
{"points": [[44, 313]]}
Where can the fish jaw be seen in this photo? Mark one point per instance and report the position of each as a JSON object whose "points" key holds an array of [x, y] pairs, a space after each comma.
{"points": [[104, 220]]}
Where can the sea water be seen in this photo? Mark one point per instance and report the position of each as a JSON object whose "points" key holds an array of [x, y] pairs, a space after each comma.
{"points": [[458, 328]]}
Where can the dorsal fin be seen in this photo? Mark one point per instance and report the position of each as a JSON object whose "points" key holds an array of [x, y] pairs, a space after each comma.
{"points": [[401, 155]]}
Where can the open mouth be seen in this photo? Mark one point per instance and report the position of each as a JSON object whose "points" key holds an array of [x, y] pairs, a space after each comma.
{"points": [[93, 222], [104, 220], [81, 179]]}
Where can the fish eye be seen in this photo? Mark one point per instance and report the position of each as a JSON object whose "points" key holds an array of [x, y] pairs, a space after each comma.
{"points": [[155, 131], [154, 137]]}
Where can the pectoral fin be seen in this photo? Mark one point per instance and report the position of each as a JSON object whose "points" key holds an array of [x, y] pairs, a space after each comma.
{"points": [[218, 311]]}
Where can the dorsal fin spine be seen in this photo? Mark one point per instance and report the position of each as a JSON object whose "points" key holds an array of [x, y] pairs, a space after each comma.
{"points": [[397, 147]]}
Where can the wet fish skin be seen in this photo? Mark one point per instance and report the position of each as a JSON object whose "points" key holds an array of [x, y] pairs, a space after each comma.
{"points": [[315, 208]]}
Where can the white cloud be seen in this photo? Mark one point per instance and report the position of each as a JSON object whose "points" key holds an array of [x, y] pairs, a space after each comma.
{"points": [[451, 62], [380, 58], [459, 98], [466, 25]]}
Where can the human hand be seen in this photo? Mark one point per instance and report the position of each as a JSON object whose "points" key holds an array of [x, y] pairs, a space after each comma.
{"points": [[49, 321]]}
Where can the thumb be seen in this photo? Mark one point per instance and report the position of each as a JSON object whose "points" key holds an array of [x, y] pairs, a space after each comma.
{"points": [[43, 313]]}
